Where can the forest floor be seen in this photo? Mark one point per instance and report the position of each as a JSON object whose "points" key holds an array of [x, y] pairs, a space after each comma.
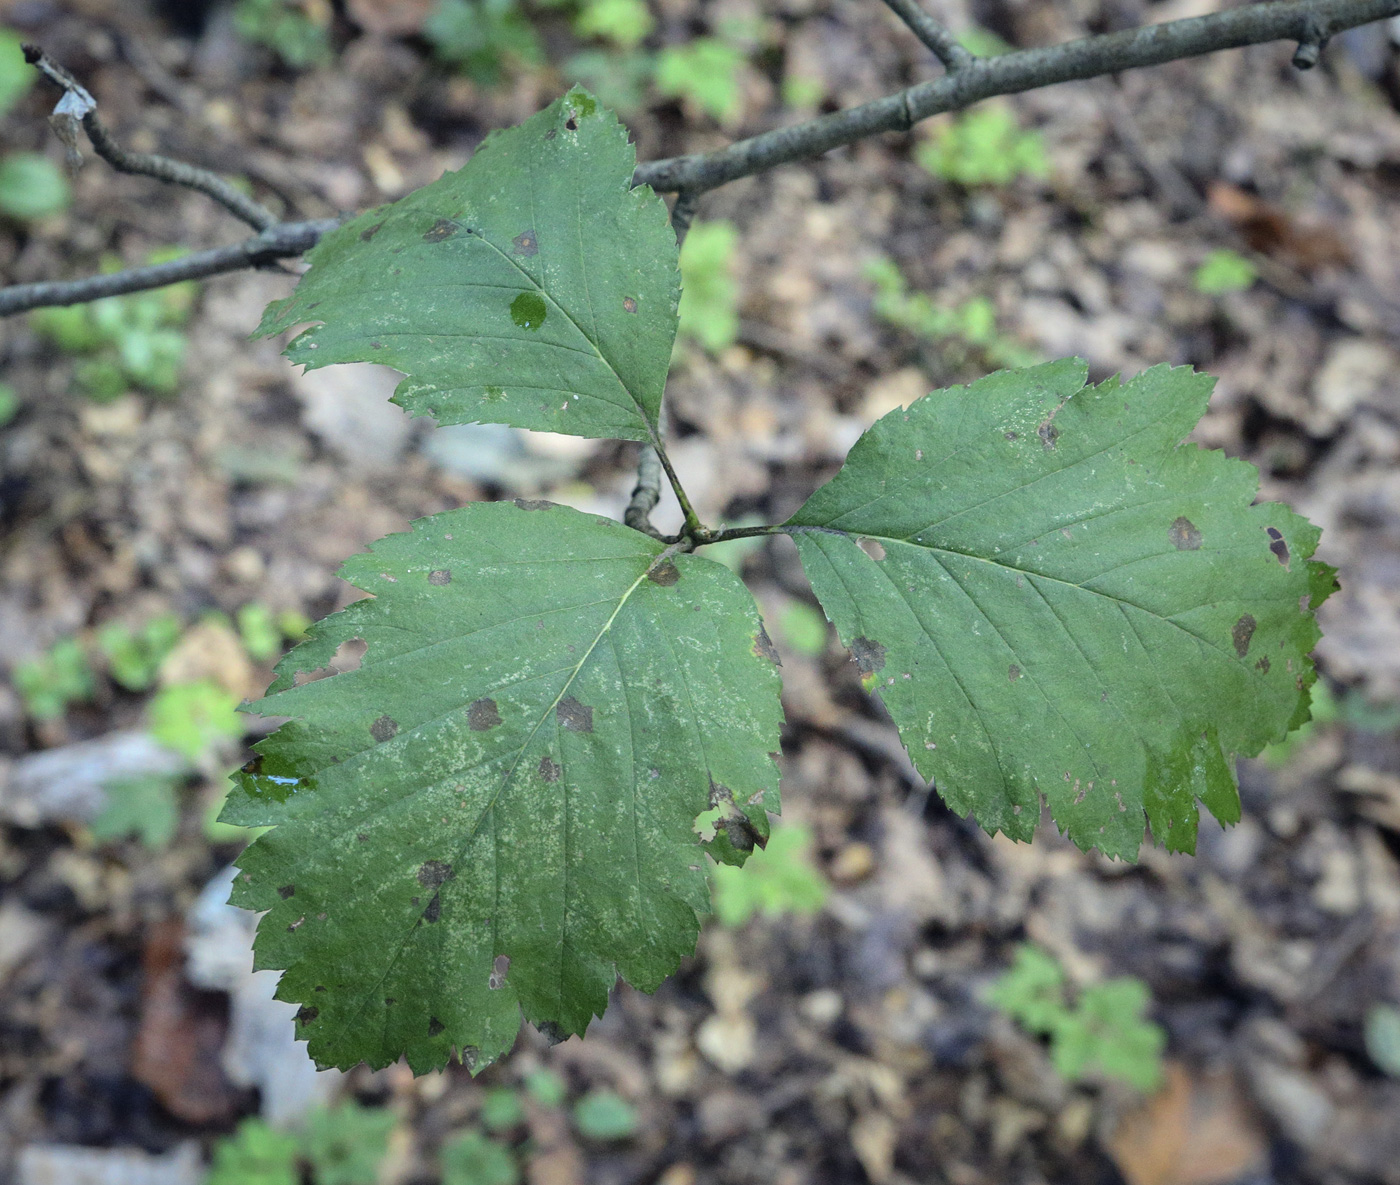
{"points": [[855, 1044]]}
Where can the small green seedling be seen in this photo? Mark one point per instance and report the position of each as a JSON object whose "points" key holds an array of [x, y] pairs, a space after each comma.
{"points": [[483, 38], [264, 633], [192, 718], [345, 1144], [50, 683], [134, 656], [605, 1115], [255, 1154], [704, 72], [1383, 1037], [803, 628], [473, 1159], [546, 1087], [501, 1109], [16, 76], [32, 186], [709, 312], [984, 146], [9, 404], [776, 880], [1225, 271], [983, 42], [144, 806], [1103, 1033], [626, 23], [287, 28]]}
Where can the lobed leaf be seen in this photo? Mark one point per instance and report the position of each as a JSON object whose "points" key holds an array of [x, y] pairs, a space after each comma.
{"points": [[494, 813], [1055, 597], [532, 287]]}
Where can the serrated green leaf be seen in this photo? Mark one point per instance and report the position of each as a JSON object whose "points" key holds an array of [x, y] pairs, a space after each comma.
{"points": [[1068, 601], [547, 701], [533, 287]]}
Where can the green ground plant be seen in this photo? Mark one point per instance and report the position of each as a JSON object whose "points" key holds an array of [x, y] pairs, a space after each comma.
{"points": [[341, 1145], [550, 701], [778, 880], [709, 308], [31, 185], [51, 683], [1102, 1032], [297, 32], [1223, 271], [984, 146]]}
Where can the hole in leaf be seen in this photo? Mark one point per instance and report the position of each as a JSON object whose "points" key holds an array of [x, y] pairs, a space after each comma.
{"points": [[873, 548]]}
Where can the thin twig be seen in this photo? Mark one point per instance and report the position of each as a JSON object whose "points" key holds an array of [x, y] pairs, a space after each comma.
{"points": [[933, 34], [1304, 21], [683, 214], [162, 168], [1309, 22], [284, 241], [646, 494]]}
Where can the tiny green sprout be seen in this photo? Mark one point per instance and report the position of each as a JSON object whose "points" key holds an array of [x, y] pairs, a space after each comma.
{"points": [[803, 628], [50, 683], [483, 38], [16, 75], [705, 73], [984, 146], [605, 1115], [1383, 1037], [470, 1158], [143, 806], [134, 656], [625, 23], [545, 1087], [709, 294], [9, 404], [255, 1154], [775, 880], [346, 1144], [501, 1109], [260, 631], [293, 623], [1224, 271], [284, 27], [191, 718], [1103, 1033], [982, 42], [802, 91], [32, 186]]}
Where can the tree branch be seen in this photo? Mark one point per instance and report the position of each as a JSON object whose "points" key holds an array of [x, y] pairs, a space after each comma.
{"points": [[282, 241], [1309, 22], [79, 105], [933, 34]]}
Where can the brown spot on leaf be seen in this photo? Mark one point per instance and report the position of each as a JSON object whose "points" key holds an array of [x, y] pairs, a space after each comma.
{"points": [[483, 715], [533, 503], [869, 656], [1278, 546], [434, 909], [306, 1014], [1012, 435], [872, 547], [574, 716], [1263, 665], [550, 769], [1184, 535], [443, 228], [1048, 434], [549, 135], [1013, 672], [432, 873], [287, 891], [764, 648], [665, 574], [296, 925], [435, 1026], [629, 305], [440, 577], [386, 728], [500, 969], [370, 231], [551, 1032], [525, 243], [1242, 632]]}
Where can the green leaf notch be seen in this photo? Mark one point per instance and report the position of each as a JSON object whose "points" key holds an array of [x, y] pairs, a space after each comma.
{"points": [[495, 811], [533, 287], [1055, 597]]}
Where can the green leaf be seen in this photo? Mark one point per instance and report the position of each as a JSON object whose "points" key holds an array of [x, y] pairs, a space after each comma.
{"points": [[501, 1109], [781, 879], [255, 1154], [706, 72], [494, 812], [534, 287], [605, 1115], [545, 1087], [31, 186], [1225, 271], [709, 296], [1068, 602], [191, 718], [143, 806], [624, 22], [49, 683], [471, 1159], [346, 1143]]}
